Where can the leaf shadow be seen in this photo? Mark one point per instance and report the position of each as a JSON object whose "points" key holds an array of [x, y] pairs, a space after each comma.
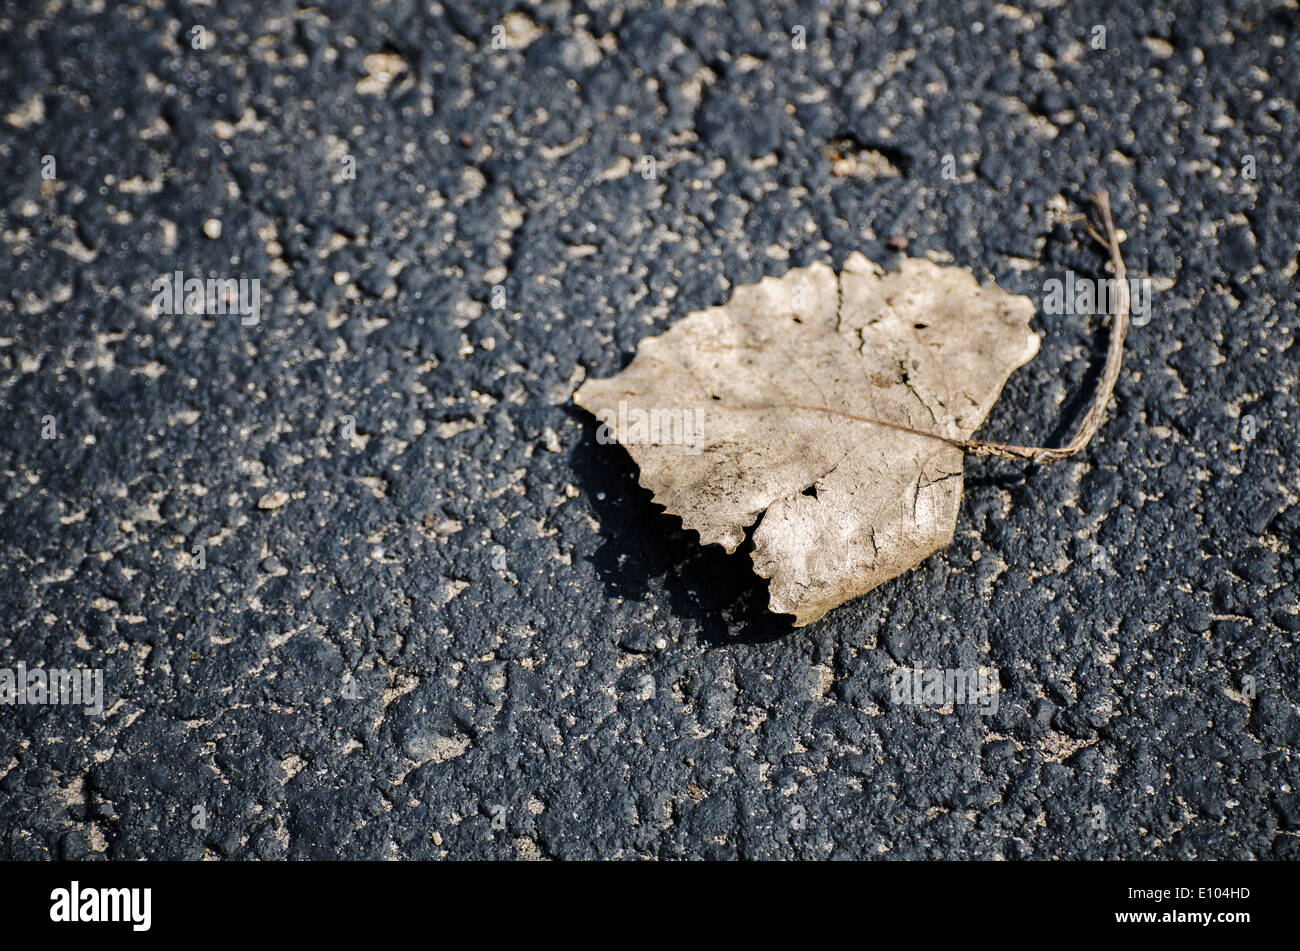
{"points": [[641, 543]]}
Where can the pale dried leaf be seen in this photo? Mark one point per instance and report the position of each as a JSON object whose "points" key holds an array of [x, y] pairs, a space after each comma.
{"points": [[814, 381]]}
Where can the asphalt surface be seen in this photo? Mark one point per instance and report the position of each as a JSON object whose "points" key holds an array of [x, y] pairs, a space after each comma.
{"points": [[357, 670]]}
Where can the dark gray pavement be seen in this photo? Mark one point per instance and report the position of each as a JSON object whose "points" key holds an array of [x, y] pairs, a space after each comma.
{"points": [[358, 670]]}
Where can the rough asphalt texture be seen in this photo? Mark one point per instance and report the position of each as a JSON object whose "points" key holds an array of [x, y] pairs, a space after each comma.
{"points": [[360, 672]]}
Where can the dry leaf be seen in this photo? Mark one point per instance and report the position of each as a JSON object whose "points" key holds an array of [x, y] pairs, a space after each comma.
{"points": [[836, 409]]}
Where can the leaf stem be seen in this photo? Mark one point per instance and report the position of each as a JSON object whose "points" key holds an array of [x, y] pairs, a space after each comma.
{"points": [[1109, 239]]}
